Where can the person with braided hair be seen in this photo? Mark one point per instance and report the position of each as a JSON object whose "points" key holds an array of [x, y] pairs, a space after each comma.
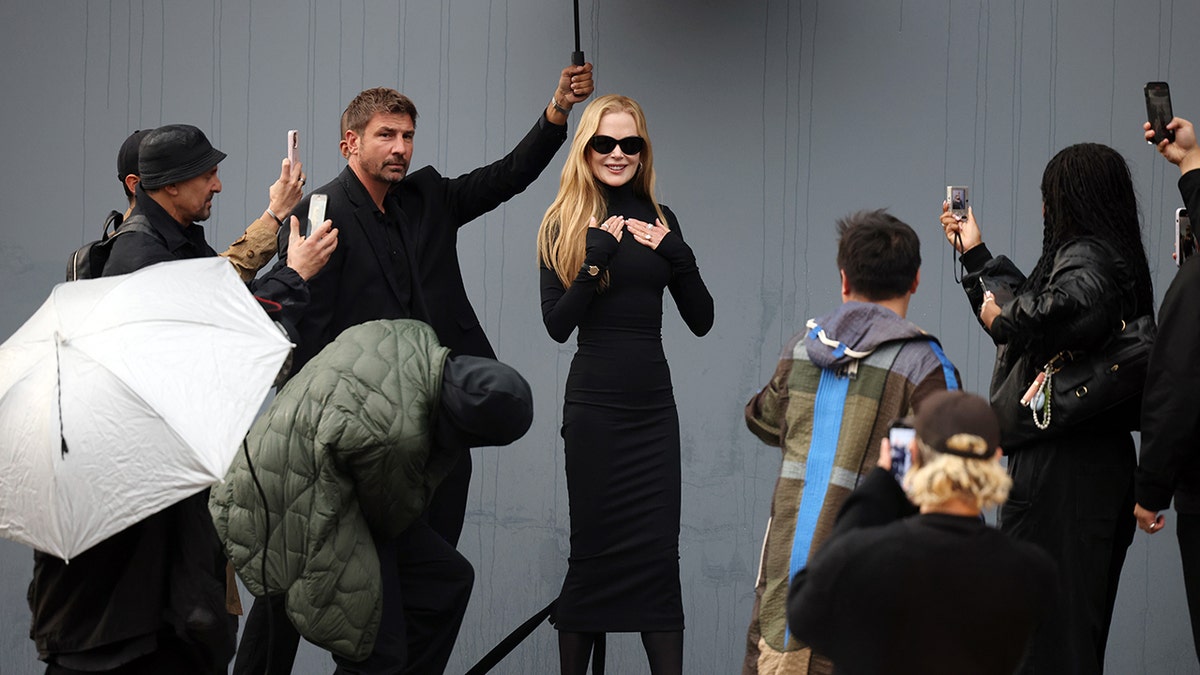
{"points": [[1072, 490]]}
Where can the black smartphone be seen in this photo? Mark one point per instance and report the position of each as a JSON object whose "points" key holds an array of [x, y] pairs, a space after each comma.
{"points": [[902, 437], [1158, 111], [1185, 240]]}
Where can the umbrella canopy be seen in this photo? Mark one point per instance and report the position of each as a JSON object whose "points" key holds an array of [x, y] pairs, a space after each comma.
{"points": [[123, 395]]}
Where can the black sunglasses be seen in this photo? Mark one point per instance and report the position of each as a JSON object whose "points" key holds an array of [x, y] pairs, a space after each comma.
{"points": [[630, 145]]}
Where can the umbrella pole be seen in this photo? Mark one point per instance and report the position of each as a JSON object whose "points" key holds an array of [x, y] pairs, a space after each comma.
{"points": [[577, 55], [58, 372]]}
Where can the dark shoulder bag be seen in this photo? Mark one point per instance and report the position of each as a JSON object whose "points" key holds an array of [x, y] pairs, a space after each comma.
{"points": [[1074, 387]]}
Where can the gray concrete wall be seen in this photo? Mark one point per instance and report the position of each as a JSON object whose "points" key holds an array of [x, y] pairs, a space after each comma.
{"points": [[770, 120]]}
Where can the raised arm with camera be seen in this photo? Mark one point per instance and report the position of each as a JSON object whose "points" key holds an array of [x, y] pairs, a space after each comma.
{"points": [[1090, 279], [1083, 276]]}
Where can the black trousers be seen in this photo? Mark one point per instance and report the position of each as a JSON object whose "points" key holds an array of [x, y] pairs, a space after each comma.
{"points": [[1074, 498], [448, 507], [426, 587], [1187, 528]]}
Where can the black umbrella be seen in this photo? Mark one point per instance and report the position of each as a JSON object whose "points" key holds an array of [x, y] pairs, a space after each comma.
{"points": [[577, 55]]}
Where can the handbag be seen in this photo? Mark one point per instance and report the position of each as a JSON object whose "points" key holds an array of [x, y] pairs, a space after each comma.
{"points": [[1075, 386]]}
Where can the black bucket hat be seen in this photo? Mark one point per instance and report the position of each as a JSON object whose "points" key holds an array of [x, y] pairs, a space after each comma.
{"points": [[175, 153]]}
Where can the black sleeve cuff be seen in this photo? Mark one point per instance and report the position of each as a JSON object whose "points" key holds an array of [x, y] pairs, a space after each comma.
{"points": [[975, 258], [545, 124]]}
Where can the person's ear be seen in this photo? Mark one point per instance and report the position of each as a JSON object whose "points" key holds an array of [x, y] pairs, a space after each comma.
{"points": [[131, 182], [846, 290], [916, 282], [351, 141]]}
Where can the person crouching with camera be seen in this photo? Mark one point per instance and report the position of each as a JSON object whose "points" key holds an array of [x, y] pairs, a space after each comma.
{"points": [[912, 578]]}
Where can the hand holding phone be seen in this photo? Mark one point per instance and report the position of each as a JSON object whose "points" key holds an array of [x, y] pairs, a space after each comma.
{"points": [[293, 146], [316, 211], [1158, 111], [901, 438]]}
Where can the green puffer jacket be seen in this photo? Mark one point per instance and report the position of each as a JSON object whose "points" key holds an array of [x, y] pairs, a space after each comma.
{"points": [[343, 453]]}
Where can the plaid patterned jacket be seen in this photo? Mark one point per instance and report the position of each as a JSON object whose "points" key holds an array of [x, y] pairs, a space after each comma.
{"points": [[836, 390]]}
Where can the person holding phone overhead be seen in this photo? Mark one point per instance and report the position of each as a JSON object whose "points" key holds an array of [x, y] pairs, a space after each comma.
{"points": [[1072, 488], [1169, 465], [607, 250]]}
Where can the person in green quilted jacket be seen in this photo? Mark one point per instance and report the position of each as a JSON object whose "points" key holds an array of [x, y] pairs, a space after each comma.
{"points": [[348, 456]]}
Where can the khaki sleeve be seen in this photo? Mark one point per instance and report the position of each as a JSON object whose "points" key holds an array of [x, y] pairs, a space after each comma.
{"points": [[254, 248], [765, 411]]}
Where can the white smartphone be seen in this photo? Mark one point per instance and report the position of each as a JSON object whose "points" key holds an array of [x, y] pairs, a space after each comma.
{"points": [[1185, 239], [316, 211], [959, 197], [293, 146]]}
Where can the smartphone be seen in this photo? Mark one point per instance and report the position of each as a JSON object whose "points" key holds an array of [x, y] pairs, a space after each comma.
{"points": [[293, 146], [316, 211], [1158, 111], [901, 436], [959, 197], [1185, 240]]}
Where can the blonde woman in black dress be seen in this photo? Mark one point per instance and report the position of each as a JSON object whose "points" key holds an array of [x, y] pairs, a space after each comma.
{"points": [[607, 251]]}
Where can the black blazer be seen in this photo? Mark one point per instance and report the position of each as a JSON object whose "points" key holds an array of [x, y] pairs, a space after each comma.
{"points": [[361, 282]]}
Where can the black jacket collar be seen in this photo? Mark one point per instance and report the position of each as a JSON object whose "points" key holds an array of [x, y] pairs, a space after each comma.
{"points": [[173, 232]]}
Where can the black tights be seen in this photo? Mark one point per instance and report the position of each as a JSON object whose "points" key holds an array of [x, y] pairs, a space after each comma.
{"points": [[664, 651]]}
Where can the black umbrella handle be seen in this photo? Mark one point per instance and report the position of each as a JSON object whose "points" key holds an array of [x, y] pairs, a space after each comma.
{"points": [[577, 55]]}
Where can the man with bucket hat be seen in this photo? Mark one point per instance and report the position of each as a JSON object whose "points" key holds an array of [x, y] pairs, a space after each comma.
{"points": [[151, 598], [256, 246], [178, 180]]}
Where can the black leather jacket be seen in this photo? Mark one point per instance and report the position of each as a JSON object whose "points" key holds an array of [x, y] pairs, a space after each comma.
{"points": [[1089, 292]]}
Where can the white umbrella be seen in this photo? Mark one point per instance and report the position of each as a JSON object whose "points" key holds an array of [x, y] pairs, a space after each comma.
{"points": [[157, 374]]}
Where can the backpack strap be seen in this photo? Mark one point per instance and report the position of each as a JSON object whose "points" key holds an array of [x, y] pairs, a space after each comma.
{"points": [[114, 220], [952, 382], [139, 223], [87, 262]]}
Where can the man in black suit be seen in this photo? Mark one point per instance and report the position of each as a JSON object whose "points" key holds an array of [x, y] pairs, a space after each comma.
{"points": [[397, 258], [398, 232]]}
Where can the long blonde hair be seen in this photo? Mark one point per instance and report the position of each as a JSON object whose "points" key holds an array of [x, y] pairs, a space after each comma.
{"points": [[561, 240]]}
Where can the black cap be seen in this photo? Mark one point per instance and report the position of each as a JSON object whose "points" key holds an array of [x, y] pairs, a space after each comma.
{"points": [[958, 423], [484, 402], [175, 153], [127, 156]]}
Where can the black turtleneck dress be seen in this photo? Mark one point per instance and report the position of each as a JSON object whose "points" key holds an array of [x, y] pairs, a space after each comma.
{"points": [[620, 427]]}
